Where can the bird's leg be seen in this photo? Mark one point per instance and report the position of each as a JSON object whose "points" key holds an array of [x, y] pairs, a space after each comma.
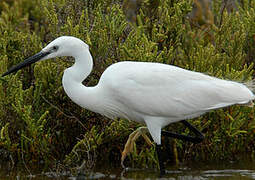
{"points": [[199, 137], [160, 160], [194, 139], [142, 130], [131, 140]]}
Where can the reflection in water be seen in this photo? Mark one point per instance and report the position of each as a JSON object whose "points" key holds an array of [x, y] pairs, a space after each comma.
{"points": [[193, 171], [228, 174]]}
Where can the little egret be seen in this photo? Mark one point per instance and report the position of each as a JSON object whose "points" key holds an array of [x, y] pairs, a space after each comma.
{"points": [[151, 93]]}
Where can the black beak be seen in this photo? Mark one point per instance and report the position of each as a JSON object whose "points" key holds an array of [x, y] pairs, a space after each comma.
{"points": [[27, 62]]}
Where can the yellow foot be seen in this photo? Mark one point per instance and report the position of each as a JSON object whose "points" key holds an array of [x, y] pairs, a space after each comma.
{"points": [[131, 140]]}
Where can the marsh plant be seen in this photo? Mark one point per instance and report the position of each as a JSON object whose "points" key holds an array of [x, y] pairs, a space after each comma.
{"points": [[40, 125]]}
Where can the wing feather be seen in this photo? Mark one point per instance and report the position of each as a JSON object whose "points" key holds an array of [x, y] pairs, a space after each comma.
{"points": [[155, 89]]}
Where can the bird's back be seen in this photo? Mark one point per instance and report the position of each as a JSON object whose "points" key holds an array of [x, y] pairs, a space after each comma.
{"points": [[159, 90]]}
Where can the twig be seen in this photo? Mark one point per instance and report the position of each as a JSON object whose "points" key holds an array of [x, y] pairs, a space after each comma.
{"points": [[221, 11], [69, 116], [22, 156], [66, 115]]}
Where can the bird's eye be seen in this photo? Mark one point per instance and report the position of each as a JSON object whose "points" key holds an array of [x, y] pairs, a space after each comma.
{"points": [[55, 48]]}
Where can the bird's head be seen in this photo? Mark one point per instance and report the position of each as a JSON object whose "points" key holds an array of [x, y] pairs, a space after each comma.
{"points": [[62, 46]]}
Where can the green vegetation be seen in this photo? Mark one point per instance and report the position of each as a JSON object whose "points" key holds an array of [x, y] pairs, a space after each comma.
{"points": [[40, 125]]}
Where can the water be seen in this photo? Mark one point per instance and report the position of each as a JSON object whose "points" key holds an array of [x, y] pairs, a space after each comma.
{"points": [[244, 170]]}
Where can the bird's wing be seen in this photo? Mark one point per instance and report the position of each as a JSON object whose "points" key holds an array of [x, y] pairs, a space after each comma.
{"points": [[168, 91]]}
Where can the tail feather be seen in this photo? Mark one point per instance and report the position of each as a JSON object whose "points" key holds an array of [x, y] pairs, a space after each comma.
{"points": [[250, 85], [249, 104]]}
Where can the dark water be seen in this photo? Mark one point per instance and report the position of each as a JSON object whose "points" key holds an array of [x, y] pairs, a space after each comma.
{"points": [[194, 171]]}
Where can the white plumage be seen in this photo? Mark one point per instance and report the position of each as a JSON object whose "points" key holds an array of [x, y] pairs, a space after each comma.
{"points": [[151, 93], [160, 94]]}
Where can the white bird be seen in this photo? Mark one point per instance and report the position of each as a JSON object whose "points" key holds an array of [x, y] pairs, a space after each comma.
{"points": [[151, 93]]}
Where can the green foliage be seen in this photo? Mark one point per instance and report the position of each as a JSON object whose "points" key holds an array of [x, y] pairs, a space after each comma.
{"points": [[39, 122]]}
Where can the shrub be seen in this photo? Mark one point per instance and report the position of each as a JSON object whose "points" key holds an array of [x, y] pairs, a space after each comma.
{"points": [[40, 124]]}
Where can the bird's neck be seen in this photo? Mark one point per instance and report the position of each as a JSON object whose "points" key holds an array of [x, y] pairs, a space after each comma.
{"points": [[82, 67], [73, 78]]}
